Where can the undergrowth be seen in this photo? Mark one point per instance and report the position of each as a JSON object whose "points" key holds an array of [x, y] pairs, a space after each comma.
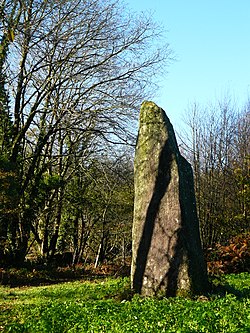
{"points": [[231, 258], [108, 306]]}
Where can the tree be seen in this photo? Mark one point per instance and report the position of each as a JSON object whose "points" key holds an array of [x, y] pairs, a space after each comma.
{"points": [[77, 72], [9, 18], [219, 152], [241, 170], [97, 211]]}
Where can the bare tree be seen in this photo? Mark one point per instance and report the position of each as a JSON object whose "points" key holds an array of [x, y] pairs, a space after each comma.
{"points": [[76, 74], [217, 144]]}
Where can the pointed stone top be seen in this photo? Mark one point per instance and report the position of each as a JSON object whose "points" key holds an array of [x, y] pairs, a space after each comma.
{"points": [[153, 119], [151, 112], [149, 104]]}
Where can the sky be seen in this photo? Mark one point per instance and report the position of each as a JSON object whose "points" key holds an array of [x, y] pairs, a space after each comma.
{"points": [[211, 43]]}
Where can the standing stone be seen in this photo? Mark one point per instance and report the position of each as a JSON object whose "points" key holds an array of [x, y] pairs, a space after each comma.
{"points": [[167, 256]]}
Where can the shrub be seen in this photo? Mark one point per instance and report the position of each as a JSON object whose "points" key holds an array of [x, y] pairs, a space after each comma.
{"points": [[232, 258]]}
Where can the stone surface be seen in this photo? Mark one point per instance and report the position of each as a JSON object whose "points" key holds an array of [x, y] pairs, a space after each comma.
{"points": [[167, 256]]}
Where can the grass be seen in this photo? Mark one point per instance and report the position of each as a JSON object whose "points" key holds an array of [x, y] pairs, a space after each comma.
{"points": [[108, 306]]}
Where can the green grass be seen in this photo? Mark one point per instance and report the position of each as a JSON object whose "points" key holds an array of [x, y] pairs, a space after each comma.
{"points": [[108, 306]]}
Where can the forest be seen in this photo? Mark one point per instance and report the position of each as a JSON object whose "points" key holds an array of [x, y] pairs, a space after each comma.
{"points": [[71, 85]]}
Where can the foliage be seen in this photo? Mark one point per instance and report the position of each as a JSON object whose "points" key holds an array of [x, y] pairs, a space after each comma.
{"points": [[232, 258], [9, 188], [97, 211], [242, 176], [7, 25], [107, 306]]}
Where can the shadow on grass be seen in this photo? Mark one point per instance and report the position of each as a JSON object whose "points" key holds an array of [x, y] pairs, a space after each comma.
{"points": [[221, 287], [41, 276]]}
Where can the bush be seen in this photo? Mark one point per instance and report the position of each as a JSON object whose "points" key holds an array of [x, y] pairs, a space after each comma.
{"points": [[232, 258]]}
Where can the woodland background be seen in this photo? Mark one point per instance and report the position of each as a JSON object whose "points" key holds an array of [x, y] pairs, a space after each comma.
{"points": [[71, 84]]}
